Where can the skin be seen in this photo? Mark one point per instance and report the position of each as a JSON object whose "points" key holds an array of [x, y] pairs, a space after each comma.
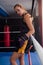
{"points": [[28, 21]]}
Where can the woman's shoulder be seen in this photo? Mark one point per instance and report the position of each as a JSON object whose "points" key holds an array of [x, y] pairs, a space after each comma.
{"points": [[27, 15]]}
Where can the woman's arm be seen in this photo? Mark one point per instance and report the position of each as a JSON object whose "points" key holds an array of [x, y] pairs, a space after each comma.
{"points": [[28, 20]]}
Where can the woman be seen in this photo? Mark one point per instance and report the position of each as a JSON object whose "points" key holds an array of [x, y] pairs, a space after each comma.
{"points": [[20, 10]]}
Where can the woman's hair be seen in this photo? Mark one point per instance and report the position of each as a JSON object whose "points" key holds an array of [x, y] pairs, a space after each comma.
{"points": [[19, 5]]}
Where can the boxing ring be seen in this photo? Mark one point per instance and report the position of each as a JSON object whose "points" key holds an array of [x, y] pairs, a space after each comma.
{"points": [[5, 58], [37, 56]]}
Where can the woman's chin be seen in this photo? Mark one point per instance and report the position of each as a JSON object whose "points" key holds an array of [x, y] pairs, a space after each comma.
{"points": [[20, 14]]}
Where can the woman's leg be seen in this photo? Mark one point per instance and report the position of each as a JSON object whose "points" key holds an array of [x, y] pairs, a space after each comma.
{"points": [[14, 57], [21, 59]]}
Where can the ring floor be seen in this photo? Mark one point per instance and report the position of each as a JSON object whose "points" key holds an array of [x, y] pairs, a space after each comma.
{"points": [[5, 58]]}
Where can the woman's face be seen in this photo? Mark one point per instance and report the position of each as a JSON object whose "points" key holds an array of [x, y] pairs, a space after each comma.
{"points": [[19, 10]]}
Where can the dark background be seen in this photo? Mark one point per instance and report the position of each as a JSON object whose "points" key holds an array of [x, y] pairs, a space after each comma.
{"points": [[15, 25]]}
